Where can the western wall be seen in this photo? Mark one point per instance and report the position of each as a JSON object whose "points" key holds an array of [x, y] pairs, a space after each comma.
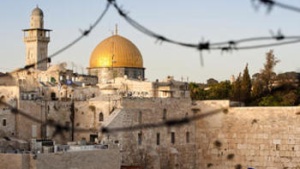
{"points": [[248, 137]]}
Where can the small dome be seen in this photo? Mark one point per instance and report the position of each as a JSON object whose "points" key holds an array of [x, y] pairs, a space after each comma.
{"points": [[37, 12], [116, 51]]}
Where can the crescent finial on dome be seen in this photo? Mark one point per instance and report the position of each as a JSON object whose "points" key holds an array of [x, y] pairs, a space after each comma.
{"points": [[116, 29]]}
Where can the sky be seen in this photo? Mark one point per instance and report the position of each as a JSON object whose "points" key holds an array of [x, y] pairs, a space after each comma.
{"points": [[190, 21]]}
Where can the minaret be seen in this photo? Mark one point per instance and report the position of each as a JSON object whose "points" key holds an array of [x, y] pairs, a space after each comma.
{"points": [[36, 40]]}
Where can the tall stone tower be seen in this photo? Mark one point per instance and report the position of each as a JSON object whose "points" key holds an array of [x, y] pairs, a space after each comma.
{"points": [[36, 40]]}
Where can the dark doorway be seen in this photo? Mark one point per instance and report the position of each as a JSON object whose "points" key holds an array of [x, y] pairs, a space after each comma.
{"points": [[93, 137], [53, 96]]}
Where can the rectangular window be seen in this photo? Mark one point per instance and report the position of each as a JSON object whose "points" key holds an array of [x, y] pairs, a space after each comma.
{"points": [[3, 122], [140, 138], [157, 139], [164, 114], [140, 117], [187, 137], [173, 137]]}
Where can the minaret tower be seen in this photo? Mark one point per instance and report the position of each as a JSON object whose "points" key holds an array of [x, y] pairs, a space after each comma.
{"points": [[36, 40]]}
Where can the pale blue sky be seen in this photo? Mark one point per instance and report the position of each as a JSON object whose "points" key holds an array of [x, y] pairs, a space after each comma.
{"points": [[187, 21]]}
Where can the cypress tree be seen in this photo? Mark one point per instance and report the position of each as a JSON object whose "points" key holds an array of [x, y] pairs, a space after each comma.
{"points": [[246, 86]]}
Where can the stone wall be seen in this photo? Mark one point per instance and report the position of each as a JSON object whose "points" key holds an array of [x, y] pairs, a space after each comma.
{"points": [[140, 148], [245, 137], [93, 159], [96, 159], [87, 115], [17, 161], [33, 116], [9, 96]]}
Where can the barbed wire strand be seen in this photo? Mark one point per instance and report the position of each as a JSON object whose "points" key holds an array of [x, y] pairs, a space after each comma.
{"points": [[223, 46], [228, 45], [166, 123], [84, 33], [271, 3]]}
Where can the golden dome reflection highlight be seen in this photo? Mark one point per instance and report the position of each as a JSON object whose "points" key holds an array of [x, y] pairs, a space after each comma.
{"points": [[116, 51]]}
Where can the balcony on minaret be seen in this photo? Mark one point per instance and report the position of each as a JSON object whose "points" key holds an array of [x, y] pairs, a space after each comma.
{"points": [[41, 35]]}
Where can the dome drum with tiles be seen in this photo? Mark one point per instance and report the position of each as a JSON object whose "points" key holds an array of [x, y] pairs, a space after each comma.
{"points": [[114, 57]]}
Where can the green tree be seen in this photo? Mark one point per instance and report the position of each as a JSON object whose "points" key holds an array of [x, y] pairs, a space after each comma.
{"points": [[270, 100], [236, 89], [193, 90], [246, 86], [290, 98], [267, 73], [219, 91], [196, 92], [257, 89]]}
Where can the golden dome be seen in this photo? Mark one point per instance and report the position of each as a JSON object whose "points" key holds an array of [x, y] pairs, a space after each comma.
{"points": [[116, 51]]}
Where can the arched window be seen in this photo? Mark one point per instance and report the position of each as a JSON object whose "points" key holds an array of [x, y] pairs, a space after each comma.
{"points": [[101, 118]]}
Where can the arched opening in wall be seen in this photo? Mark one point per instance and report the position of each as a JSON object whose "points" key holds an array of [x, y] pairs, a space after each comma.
{"points": [[101, 116], [164, 114]]}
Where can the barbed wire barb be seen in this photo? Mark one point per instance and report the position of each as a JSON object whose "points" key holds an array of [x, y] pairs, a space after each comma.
{"points": [[271, 3]]}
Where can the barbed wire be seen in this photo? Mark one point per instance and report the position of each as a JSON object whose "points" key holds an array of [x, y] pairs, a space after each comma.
{"points": [[223, 46], [83, 34], [165, 123], [269, 4]]}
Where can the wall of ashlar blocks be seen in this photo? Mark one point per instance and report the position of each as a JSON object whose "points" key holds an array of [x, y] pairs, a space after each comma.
{"points": [[248, 137]]}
